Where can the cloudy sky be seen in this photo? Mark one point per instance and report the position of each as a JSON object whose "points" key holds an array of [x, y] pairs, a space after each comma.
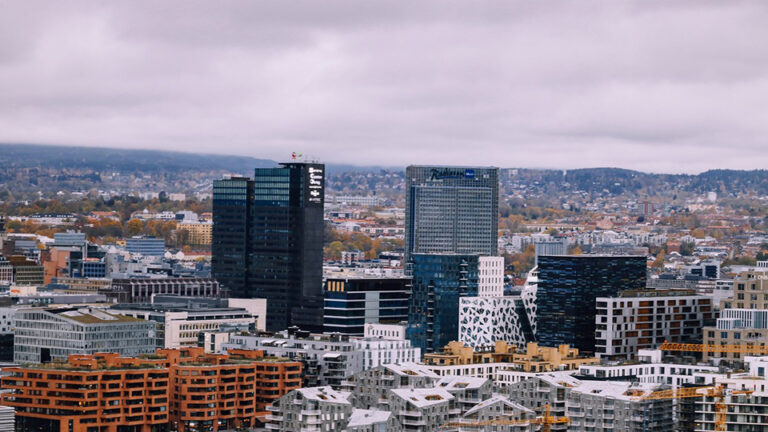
{"points": [[663, 86]]}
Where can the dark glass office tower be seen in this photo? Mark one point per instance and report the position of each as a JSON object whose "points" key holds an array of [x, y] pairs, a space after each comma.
{"points": [[283, 235], [567, 288], [451, 210], [232, 200], [439, 280]]}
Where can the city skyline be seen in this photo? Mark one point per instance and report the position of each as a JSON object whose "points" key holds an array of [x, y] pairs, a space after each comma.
{"points": [[655, 87]]}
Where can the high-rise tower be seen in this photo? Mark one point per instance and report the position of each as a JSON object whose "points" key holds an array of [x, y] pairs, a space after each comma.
{"points": [[276, 251], [451, 210]]}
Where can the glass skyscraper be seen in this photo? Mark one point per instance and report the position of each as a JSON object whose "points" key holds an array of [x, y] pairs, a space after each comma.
{"points": [[451, 210], [439, 280], [268, 241], [567, 288]]}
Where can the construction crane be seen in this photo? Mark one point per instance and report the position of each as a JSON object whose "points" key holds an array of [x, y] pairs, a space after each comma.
{"points": [[546, 421], [715, 391], [747, 348]]}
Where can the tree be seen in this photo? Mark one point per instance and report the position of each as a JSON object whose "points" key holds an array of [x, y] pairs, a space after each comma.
{"points": [[133, 227], [686, 248], [659, 261], [334, 250]]}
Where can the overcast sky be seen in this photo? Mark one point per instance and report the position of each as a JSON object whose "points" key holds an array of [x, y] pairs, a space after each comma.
{"points": [[662, 86]]}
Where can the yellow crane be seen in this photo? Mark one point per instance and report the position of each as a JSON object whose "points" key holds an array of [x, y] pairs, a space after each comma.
{"points": [[714, 391], [545, 421]]}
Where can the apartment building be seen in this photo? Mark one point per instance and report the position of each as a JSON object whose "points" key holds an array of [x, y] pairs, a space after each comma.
{"points": [[103, 393], [744, 401], [459, 359], [644, 319], [371, 387], [241, 386], [319, 409], [326, 359], [329, 359], [180, 390], [423, 410], [743, 318], [594, 405], [648, 370], [200, 233], [43, 335], [498, 407], [378, 351], [365, 420], [468, 391]]}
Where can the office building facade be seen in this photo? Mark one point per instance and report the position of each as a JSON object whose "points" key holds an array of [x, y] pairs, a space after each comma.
{"points": [[439, 282], [268, 241], [43, 335], [147, 246], [229, 245], [451, 210], [568, 287], [352, 302]]}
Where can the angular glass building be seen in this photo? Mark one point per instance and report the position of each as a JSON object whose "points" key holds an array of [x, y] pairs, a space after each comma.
{"points": [[268, 241], [567, 288], [439, 281], [451, 210]]}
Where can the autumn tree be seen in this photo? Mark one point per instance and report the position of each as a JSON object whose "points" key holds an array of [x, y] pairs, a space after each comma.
{"points": [[133, 227]]}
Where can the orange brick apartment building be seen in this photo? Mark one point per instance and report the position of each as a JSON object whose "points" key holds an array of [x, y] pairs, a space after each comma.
{"points": [[173, 390]]}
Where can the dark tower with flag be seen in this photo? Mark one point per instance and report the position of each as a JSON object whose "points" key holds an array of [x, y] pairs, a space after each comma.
{"points": [[282, 260]]}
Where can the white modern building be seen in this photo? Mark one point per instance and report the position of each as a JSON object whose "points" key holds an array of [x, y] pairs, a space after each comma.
{"points": [[485, 320], [644, 319]]}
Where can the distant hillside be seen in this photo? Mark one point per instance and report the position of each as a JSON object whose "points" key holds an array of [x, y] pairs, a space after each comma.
{"points": [[122, 160]]}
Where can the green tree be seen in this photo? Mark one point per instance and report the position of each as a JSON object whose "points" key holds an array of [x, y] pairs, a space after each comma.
{"points": [[333, 251]]}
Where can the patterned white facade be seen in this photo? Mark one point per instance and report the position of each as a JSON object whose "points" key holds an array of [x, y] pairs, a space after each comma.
{"points": [[529, 296], [485, 320]]}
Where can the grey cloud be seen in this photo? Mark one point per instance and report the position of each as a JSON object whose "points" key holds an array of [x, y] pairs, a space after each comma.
{"points": [[661, 86]]}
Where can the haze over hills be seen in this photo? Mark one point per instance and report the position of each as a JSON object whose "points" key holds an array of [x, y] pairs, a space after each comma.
{"points": [[28, 166]]}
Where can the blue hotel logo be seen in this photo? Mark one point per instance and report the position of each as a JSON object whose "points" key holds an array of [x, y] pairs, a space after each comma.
{"points": [[450, 173]]}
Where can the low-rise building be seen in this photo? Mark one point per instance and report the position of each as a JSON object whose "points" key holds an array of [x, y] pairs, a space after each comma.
{"points": [[468, 391], [179, 326], [42, 335], [327, 359], [371, 387], [200, 233], [320, 409], [140, 290], [456, 358], [594, 405], [423, 410], [102, 392], [367, 420], [498, 407], [181, 390], [649, 370]]}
